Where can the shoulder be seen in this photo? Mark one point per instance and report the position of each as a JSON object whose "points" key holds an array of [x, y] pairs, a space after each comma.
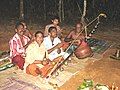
{"points": [[57, 39], [43, 44], [58, 27], [25, 37], [32, 45], [49, 25], [30, 48], [72, 31], [14, 38], [46, 38]]}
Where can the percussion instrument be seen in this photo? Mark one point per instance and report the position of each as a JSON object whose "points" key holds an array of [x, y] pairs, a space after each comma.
{"points": [[83, 50]]}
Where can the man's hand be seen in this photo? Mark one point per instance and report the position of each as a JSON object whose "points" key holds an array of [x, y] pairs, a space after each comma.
{"points": [[37, 62], [59, 45], [59, 51], [45, 62], [77, 42]]}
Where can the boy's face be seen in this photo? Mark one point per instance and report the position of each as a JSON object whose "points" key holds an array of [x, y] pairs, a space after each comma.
{"points": [[20, 30], [55, 21], [39, 38], [53, 33]]}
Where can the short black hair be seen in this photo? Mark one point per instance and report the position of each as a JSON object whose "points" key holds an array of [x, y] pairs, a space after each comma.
{"points": [[54, 17], [18, 24], [38, 33], [79, 23], [22, 21], [51, 28]]}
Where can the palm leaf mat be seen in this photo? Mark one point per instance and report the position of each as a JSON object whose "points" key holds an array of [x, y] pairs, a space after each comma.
{"points": [[70, 70], [20, 78], [99, 46], [1, 52], [14, 84], [4, 61]]}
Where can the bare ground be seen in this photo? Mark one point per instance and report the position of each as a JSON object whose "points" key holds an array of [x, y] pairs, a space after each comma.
{"points": [[105, 71]]}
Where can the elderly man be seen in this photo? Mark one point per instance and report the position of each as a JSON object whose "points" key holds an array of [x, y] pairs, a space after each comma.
{"points": [[80, 47], [76, 34], [18, 44]]}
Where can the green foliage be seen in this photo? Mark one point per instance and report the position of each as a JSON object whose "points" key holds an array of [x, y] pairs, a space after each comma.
{"points": [[86, 84]]}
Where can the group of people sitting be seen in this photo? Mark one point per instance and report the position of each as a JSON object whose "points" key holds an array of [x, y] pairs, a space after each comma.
{"points": [[36, 54]]}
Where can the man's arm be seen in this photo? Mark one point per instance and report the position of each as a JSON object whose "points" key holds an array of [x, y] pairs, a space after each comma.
{"points": [[37, 62], [59, 45], [69, 37], [43, 62], [25, 46]]}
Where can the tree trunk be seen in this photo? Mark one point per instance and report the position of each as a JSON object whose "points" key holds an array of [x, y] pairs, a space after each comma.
{"points": [[93, 6], [63, 11], [21, 10], [59, 13], [79, 8], [83, 17], [84, 13], [44, 11]]}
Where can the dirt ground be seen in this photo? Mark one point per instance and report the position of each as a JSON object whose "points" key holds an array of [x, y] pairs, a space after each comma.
{"points": [[104, 71]]}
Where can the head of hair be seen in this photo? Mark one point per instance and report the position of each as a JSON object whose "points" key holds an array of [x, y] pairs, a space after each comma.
{"points": [[79, 23], [22, 21], [38, 33], [54, 17], [51, 28], [18, 24]]}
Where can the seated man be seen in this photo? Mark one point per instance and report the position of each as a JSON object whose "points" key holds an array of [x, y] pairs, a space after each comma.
{"points": [[55, 23], [53, 44], [77, 37], [26, 31], [18, 44], [36, 54], [76, 34]]}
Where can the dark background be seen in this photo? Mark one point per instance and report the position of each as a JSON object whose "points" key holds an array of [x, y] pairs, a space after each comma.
{"points": [[35, 13]]}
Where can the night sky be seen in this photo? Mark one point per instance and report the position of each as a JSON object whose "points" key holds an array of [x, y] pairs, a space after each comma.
{"points": [[34, 9]]}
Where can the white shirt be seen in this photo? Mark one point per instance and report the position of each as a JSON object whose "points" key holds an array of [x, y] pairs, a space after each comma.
{"points": [[35, 52], [49, 44]]}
